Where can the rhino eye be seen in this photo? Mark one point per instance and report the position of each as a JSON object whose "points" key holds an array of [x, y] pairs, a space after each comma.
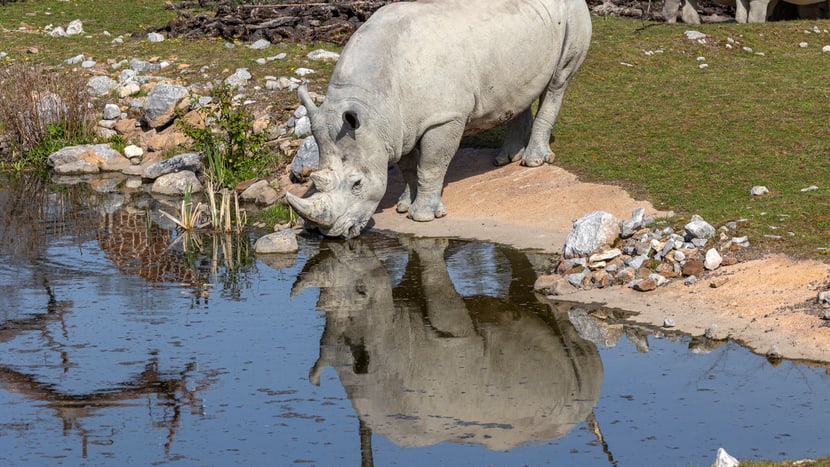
{"points": [[351, 120]]}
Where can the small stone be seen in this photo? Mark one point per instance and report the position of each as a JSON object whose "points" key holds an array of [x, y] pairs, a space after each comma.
{"points": [[605, 255], [325, 55], [284, 241], [715, 333], [260, 44], [625, 275], [699, 228], [713, 259], [645, 285], [729, 261], [691, 280], [803, 45], [694, 35], [692, 267], [824, 298], [668, 323], [759, 190], [658, 279], [576, 279]]}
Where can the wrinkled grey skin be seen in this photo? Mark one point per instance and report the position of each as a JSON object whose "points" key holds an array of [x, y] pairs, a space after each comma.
{"points": [[415, 78], [746, 11]]}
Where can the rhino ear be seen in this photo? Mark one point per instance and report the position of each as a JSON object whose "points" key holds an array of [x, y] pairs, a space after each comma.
{"points": [[351, 120]]}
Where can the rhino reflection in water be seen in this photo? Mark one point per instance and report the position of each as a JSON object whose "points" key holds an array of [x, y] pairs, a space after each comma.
{"points": [[423, 364]]}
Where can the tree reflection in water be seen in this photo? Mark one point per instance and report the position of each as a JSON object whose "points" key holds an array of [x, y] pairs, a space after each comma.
{"points": [[423, 364]]}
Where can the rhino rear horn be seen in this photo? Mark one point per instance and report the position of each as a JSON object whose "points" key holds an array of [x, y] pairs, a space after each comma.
{"points": [[324, 180], [306, 100], [316, 208]]}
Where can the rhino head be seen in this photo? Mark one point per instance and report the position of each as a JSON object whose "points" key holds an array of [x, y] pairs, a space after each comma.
{"points": [[351, 177]]}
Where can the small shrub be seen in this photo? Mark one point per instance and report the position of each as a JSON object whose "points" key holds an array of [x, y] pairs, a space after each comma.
{"points": [[233, 150], [40, 108], [276, 215]]}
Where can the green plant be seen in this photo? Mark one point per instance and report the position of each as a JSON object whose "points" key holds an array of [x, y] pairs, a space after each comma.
{"points": [[190, 217], [233, 150], [118, 142], [277, 214]]}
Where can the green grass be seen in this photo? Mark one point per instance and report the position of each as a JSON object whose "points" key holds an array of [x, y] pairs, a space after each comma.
{"points": [[131, 20], [696, 140], [687, 139], [820, 462]]}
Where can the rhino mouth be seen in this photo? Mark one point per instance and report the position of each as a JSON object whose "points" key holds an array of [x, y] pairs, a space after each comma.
{"points": [[345, 228]]}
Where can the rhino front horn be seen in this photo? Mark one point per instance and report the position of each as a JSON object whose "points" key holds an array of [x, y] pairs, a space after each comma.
{"points": [[316, 208]]}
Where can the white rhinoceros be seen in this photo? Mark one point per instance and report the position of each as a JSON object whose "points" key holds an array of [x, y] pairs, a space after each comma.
{"points": [[415, 78], [746, 11]]}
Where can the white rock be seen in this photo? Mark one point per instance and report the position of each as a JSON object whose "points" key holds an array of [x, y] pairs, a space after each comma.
{"points": [[712, 260], [590, 233], [759, 190], [155, 37], [605, 255], [74, 60], [803, 45], [694, 35], [723, 459], [260, 44], [74, 28], [133, 151], [826, 48], [325, 55], [303, 71]]}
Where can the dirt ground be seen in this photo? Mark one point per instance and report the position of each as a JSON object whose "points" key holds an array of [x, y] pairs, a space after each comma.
{"points": [[767, 304]]}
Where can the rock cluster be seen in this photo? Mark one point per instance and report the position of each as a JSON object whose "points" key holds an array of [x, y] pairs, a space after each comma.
{"points": [[603, 251], [293, 20], [138, 106]]}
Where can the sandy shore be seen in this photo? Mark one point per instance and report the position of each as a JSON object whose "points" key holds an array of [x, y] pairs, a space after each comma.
{"points": [[763, 303]]}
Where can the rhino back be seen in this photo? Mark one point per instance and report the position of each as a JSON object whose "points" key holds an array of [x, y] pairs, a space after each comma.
{"points": [[483, 60]]}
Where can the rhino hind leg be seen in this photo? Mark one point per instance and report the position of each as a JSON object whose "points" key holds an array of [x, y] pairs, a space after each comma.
{"points": [[538, 148], [518, 130], [436, 148]]}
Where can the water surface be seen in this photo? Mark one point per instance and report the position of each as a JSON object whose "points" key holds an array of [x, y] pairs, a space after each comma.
{"points": [[121, 343]]}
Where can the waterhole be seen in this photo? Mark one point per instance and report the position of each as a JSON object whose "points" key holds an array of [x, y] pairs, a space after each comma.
{"points": [[124, 341]]}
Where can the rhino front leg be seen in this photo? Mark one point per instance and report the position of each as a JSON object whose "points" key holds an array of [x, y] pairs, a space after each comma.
{"points": [[515, 139], [409, 169], [437, 148]]}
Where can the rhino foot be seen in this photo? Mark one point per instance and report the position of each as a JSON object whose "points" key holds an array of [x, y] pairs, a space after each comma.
{"points": [[426, 212], [504, 157], [404, 202], [535, 160]]}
